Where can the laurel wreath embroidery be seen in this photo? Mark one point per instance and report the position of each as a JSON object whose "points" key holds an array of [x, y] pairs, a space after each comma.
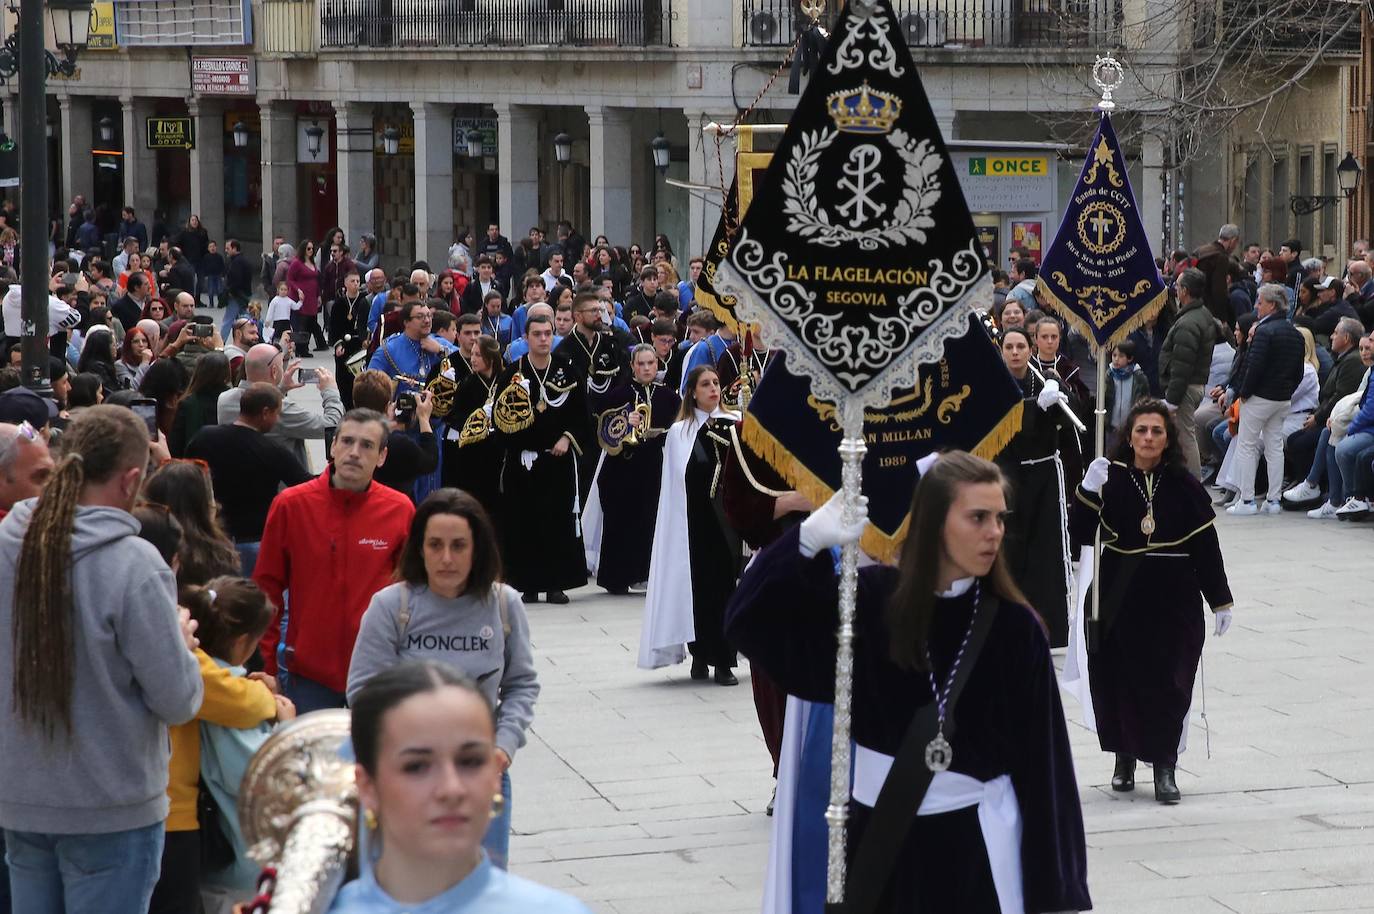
{"points": [[910, 217]]}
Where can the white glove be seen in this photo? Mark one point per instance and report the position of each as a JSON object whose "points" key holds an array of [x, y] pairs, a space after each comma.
{"points": [[527, 458], [825, 527], [1223, 621], [1049, 396], [1096, 475]]}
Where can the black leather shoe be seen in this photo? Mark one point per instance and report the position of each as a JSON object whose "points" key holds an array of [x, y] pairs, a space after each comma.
{"points": [[617, 591], [725, 677], [558, 596], [1166, 791], [530, 597], [700, 670], [1123, 778]]}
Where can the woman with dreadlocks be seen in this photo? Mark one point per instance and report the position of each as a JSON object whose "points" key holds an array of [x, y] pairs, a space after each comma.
{"points": [[95, 662]]}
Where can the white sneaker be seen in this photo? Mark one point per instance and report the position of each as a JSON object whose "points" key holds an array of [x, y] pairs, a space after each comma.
{"points": [[1243, 509], [1303, 491], [1327, 511], [1270, 507], [1353, 505]]}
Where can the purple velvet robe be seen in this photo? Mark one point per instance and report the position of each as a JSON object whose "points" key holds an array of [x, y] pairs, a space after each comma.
{"points": [[1010, 721], [1142, 675]]}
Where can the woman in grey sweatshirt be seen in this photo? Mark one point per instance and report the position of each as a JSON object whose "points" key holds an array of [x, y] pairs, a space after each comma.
{"points": [[450, 606], [92, 676]]}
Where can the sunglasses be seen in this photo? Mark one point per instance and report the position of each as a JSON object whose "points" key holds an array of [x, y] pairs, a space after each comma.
{"points": [[25, 431]]}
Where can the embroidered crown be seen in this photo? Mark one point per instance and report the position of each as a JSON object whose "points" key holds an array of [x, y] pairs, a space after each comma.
{"points": [[863, 110]]}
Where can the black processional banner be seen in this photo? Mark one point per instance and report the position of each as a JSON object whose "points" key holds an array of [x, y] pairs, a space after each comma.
{"points": [[857, 255], [1099, 272], [722, 306], [966, 401]]}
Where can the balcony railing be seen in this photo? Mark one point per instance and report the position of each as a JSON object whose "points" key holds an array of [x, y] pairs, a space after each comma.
{"points": [[959, 23], [1243, 27], [494, 23]]}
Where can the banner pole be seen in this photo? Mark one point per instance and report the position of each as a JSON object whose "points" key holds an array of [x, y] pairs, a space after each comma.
{"points": [[1099, 449], [852, 450]]}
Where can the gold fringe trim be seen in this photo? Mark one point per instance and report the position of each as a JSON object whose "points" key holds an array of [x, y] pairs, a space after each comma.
{"points": [[1075, 320], [724, 314], [995, 441], [874, 541]]}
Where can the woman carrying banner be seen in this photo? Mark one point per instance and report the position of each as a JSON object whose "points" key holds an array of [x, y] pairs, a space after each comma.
{"points": [[686, 599], [1037, 531], [1160, 557], [986, 818]]}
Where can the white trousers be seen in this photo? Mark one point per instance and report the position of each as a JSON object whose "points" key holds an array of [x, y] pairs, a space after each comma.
{"points": [[1261, 427]]}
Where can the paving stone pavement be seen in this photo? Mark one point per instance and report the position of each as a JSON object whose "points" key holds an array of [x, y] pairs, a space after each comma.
{"points": [[643, 792]]}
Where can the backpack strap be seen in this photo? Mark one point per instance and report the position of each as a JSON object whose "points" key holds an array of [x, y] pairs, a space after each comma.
{"points": [[403, 617], [499, 591]]}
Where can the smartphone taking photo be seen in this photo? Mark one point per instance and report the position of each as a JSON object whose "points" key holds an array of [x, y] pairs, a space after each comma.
{"points": [[308, 375], [146, 409]]}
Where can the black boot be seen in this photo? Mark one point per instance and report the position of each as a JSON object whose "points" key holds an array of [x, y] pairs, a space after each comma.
{"points": [[700, 670], [529, 596], [725, 677], [1123, 778], [557, 597], [1166, 791]]}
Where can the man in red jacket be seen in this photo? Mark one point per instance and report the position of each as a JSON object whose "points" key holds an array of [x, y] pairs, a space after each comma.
{"points": [[330, 544]]}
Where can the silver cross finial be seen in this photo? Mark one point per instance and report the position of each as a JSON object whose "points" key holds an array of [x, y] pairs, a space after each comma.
{"points": [[1109, 75]]}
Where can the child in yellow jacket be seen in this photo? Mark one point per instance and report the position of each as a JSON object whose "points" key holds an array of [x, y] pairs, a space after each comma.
{"points": [[232, 614]]}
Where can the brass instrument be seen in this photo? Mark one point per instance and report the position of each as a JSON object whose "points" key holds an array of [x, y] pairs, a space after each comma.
{"points": [[614, 431], [513, 410], [298, 807], [476, 427], [443, 389]]}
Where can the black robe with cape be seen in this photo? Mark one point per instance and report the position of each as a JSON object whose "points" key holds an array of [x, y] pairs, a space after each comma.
{"points": [[474, 467], [628, 488], [542, 540], [1010, 721], [1141, 676], [1036, 541], [715, 548]]}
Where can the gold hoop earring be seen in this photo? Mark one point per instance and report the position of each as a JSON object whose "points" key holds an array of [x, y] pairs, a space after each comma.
{"points": [[370, 819], [498, 805]]}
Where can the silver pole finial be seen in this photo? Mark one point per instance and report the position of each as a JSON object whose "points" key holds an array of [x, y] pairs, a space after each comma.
{"points": [[1109, 75]]}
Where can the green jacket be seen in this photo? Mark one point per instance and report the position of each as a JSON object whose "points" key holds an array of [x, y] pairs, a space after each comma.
{"points": [[1187, 354], [1343, 380]]}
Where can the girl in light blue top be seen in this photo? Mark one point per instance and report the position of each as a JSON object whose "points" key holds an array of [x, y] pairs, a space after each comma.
{"points": [[428, 783]]}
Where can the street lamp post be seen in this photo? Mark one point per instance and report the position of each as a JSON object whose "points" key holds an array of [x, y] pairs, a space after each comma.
{"points": [[71, 26], [562, 153], [313, 134], [662, 151], [1347, 179]]}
